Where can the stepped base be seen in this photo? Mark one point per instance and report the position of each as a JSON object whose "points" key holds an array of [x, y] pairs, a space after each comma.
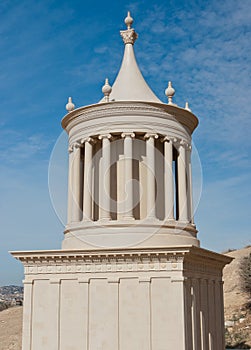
{"points": [[129, 233]]}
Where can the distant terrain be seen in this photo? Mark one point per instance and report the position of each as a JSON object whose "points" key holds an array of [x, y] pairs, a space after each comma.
{"points": [[10, 296], [237, 309], [237, 302]]}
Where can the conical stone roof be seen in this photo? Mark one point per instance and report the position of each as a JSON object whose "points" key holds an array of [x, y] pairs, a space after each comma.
{"points": [[130, 84]]}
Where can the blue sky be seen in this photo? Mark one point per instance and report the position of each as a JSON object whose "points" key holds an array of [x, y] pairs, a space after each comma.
{"points": [[54, 49]]}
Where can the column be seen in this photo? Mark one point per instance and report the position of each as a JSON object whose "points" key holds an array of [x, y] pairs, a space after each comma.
{"points": [[146, 316], [87, 188], [182, 182], [189, 185], [220, 298], [168, 178], [204, 318], [196, 336], [55, 285], [150, 158], [27, 314], [76, 183], [104, 193], [211, 315], [113, 329], [70, 196], [128, 175], [84, 286]]}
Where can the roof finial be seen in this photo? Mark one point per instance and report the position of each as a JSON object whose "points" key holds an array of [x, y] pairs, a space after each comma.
{"points": [[70, 105], [128, 20], [187, 107], [106, 89], [129, 35], [170, 93]]}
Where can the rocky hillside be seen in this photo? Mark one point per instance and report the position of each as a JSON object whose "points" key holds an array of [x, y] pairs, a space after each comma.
{"points": [[237, 302], [237, 311], [11, 328]]}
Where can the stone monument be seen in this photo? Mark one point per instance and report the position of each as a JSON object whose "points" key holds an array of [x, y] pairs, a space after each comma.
{"points": [[131, 273]]}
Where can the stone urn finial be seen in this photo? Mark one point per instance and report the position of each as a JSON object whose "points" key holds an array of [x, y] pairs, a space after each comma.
{"points": [[70, 105], [129, 20], [187, 107], [170, 93], [106, 89]]}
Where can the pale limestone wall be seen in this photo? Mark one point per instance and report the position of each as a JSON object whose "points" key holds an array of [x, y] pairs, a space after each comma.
{"points": [[152, 299], [100, 313], [204, 313]]}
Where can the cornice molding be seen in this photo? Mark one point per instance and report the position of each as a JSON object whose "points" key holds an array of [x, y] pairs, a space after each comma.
{"points": [[190, 254], [120, 108]]}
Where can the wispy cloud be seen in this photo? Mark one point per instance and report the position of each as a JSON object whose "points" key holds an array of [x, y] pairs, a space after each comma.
{"points": [[205, 51], [17, 148]]}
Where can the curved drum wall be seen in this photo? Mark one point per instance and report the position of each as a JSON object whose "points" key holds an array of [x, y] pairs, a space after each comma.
{"points": [[129, 176]]}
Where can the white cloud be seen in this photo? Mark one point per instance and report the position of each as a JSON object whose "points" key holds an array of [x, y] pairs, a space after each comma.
{"points": [[16, 147]]}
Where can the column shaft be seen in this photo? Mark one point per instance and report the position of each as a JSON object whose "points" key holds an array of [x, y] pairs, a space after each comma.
{"points": [[87, 192], [150, 156], [190, 186], [76, 183], [70, 194], [168, 179], [84, 287], [182, 183], [105, 190], [55, 286], [27, 314], [128, 175]]}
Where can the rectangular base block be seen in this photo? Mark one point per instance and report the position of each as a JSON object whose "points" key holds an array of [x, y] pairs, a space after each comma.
{"points": [[149, 299]]}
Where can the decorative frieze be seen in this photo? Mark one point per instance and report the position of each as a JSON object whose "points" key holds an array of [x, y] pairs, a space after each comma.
{"points": [[63, 262], [102, 265]]}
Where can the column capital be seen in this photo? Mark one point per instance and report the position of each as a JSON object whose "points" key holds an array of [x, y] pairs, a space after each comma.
{"points": [[84, 280], [73, 146], [149, 135], [55, 281], [127, 134], [169, 139], [113, 280], [70, 149], [104, 136], [28, 282], [76, 145], [183, 143], [89, 140], [186, 145], [145, 280]]}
